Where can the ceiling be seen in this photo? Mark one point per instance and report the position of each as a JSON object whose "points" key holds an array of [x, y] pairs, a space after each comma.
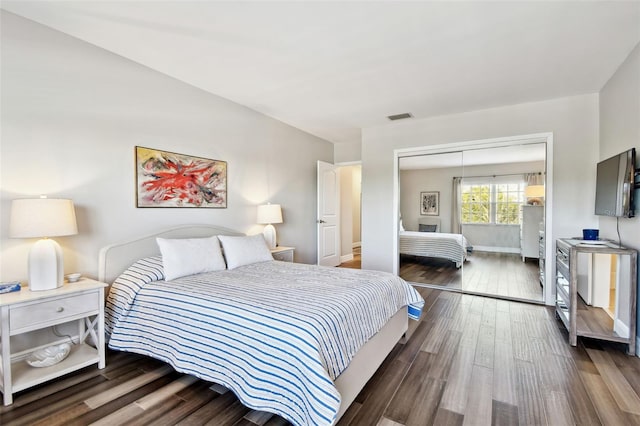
{"points": [[334, 68]]}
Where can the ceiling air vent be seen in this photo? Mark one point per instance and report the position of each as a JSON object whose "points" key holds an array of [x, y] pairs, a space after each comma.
{"points": [[400, 116]]}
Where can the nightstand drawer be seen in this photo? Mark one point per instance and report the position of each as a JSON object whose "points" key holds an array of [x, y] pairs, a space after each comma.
{"points": [[53, 310], [283, 254]]}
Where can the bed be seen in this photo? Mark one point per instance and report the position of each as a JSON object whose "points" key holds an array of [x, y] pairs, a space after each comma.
{"points": [[453, 247], [296, 340]]}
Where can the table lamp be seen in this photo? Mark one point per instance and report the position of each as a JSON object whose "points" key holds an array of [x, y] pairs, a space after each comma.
{"points": [[43, 218], [534, 194], [269, 214]]}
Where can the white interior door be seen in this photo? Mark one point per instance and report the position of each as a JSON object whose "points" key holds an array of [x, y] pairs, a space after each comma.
{"points": [[328, 216]]}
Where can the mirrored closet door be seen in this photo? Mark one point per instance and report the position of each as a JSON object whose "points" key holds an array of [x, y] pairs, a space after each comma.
{"points": [[474, 220], [429, 252]]}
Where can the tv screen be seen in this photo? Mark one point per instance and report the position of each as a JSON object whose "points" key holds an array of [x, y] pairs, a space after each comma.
{"points": [[614, 185]]}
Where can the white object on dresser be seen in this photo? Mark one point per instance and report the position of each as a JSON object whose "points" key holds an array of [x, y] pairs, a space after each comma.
{"points": [[530, 218], [283, 253], [24, 311]]}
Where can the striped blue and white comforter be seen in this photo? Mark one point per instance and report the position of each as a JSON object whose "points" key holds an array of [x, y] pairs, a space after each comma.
{"points": [[276, 333], [453, 247]]}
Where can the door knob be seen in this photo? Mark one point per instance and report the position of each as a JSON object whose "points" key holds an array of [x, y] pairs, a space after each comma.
{"points": [[321, 221]]}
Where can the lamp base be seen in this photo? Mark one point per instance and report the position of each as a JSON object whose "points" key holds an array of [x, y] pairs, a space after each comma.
{"points": [[270, 235], [46, 268]]}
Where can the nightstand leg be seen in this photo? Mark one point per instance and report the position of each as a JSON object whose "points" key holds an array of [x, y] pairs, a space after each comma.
{"points": [[7, 389], [81, 331], [101, 351]]}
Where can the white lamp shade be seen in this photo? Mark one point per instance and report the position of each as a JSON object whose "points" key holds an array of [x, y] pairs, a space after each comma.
{"points": [[534, 191], [269, 213], [42, 217]]}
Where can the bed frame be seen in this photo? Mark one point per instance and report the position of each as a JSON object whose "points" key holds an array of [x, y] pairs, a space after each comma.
{"points": [[115, 258]]}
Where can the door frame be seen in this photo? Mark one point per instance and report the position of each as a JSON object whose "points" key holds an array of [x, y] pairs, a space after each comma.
{"points": [[547, 138]]}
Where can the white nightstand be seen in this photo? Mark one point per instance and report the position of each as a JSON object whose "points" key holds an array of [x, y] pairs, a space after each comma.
{"points": [[283, 253], [25, 311]]}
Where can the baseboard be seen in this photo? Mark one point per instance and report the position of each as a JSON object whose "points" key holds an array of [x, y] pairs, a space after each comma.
{"points": [[497, 249], [356, 244], [346, 258], [620, 328]]}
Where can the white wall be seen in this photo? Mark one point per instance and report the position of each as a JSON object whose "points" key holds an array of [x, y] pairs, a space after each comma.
{"points": [[350, 183], [347, 152], [573, 121], [413, 182], [71, 116], [619, 131], [346, 213], [356, 211]]}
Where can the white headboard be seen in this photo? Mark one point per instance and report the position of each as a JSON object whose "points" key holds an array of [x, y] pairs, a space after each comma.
{"points": [[115, 258]]}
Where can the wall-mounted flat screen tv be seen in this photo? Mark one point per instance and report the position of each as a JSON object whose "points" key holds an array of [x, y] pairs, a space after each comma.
{"points": [[615, 185]]}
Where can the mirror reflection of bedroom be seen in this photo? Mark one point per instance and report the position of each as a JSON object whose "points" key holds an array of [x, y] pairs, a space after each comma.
{"points": [[473, 220]]}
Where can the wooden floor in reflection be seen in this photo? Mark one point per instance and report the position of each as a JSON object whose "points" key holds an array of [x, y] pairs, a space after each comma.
{"points": [[496, 274]]}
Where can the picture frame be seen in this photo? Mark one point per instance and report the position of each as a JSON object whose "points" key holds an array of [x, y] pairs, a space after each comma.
{"points": [[168, 179], [430, 203]]}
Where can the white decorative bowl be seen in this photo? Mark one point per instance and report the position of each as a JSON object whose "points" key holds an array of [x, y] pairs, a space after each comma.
{"points": [[49, 356], [75, 277]]}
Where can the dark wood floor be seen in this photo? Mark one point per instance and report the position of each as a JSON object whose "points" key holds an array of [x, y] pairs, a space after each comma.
{"points": [[356, 262], [494, 274], [471, 360]]}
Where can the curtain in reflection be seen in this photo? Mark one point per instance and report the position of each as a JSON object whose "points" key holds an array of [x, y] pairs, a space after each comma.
{"points": [[534, 179], [456, 227]]}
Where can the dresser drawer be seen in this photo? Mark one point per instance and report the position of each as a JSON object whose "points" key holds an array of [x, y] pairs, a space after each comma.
{"points": [[53, 311], [562, 269]]}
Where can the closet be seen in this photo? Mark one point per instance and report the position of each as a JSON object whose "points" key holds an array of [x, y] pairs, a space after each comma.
{"points": [[481, 195]]}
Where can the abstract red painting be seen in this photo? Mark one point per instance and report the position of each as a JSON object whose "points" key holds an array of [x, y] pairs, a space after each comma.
{"points": [[167, 179]]}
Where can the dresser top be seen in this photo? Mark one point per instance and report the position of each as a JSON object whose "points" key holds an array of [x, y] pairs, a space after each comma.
{"points": [[596, 246]]}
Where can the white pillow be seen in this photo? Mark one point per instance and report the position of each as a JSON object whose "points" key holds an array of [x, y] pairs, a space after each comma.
{"points": [[401, 226], [181, 257], [245, 250]]}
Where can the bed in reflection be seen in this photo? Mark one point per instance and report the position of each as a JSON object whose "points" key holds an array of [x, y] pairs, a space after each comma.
{"points": [[429, 242]]}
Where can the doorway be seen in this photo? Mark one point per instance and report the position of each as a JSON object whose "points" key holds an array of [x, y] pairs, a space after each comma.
{"points": [[480, 191], [350, 214], [339, 196]]}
